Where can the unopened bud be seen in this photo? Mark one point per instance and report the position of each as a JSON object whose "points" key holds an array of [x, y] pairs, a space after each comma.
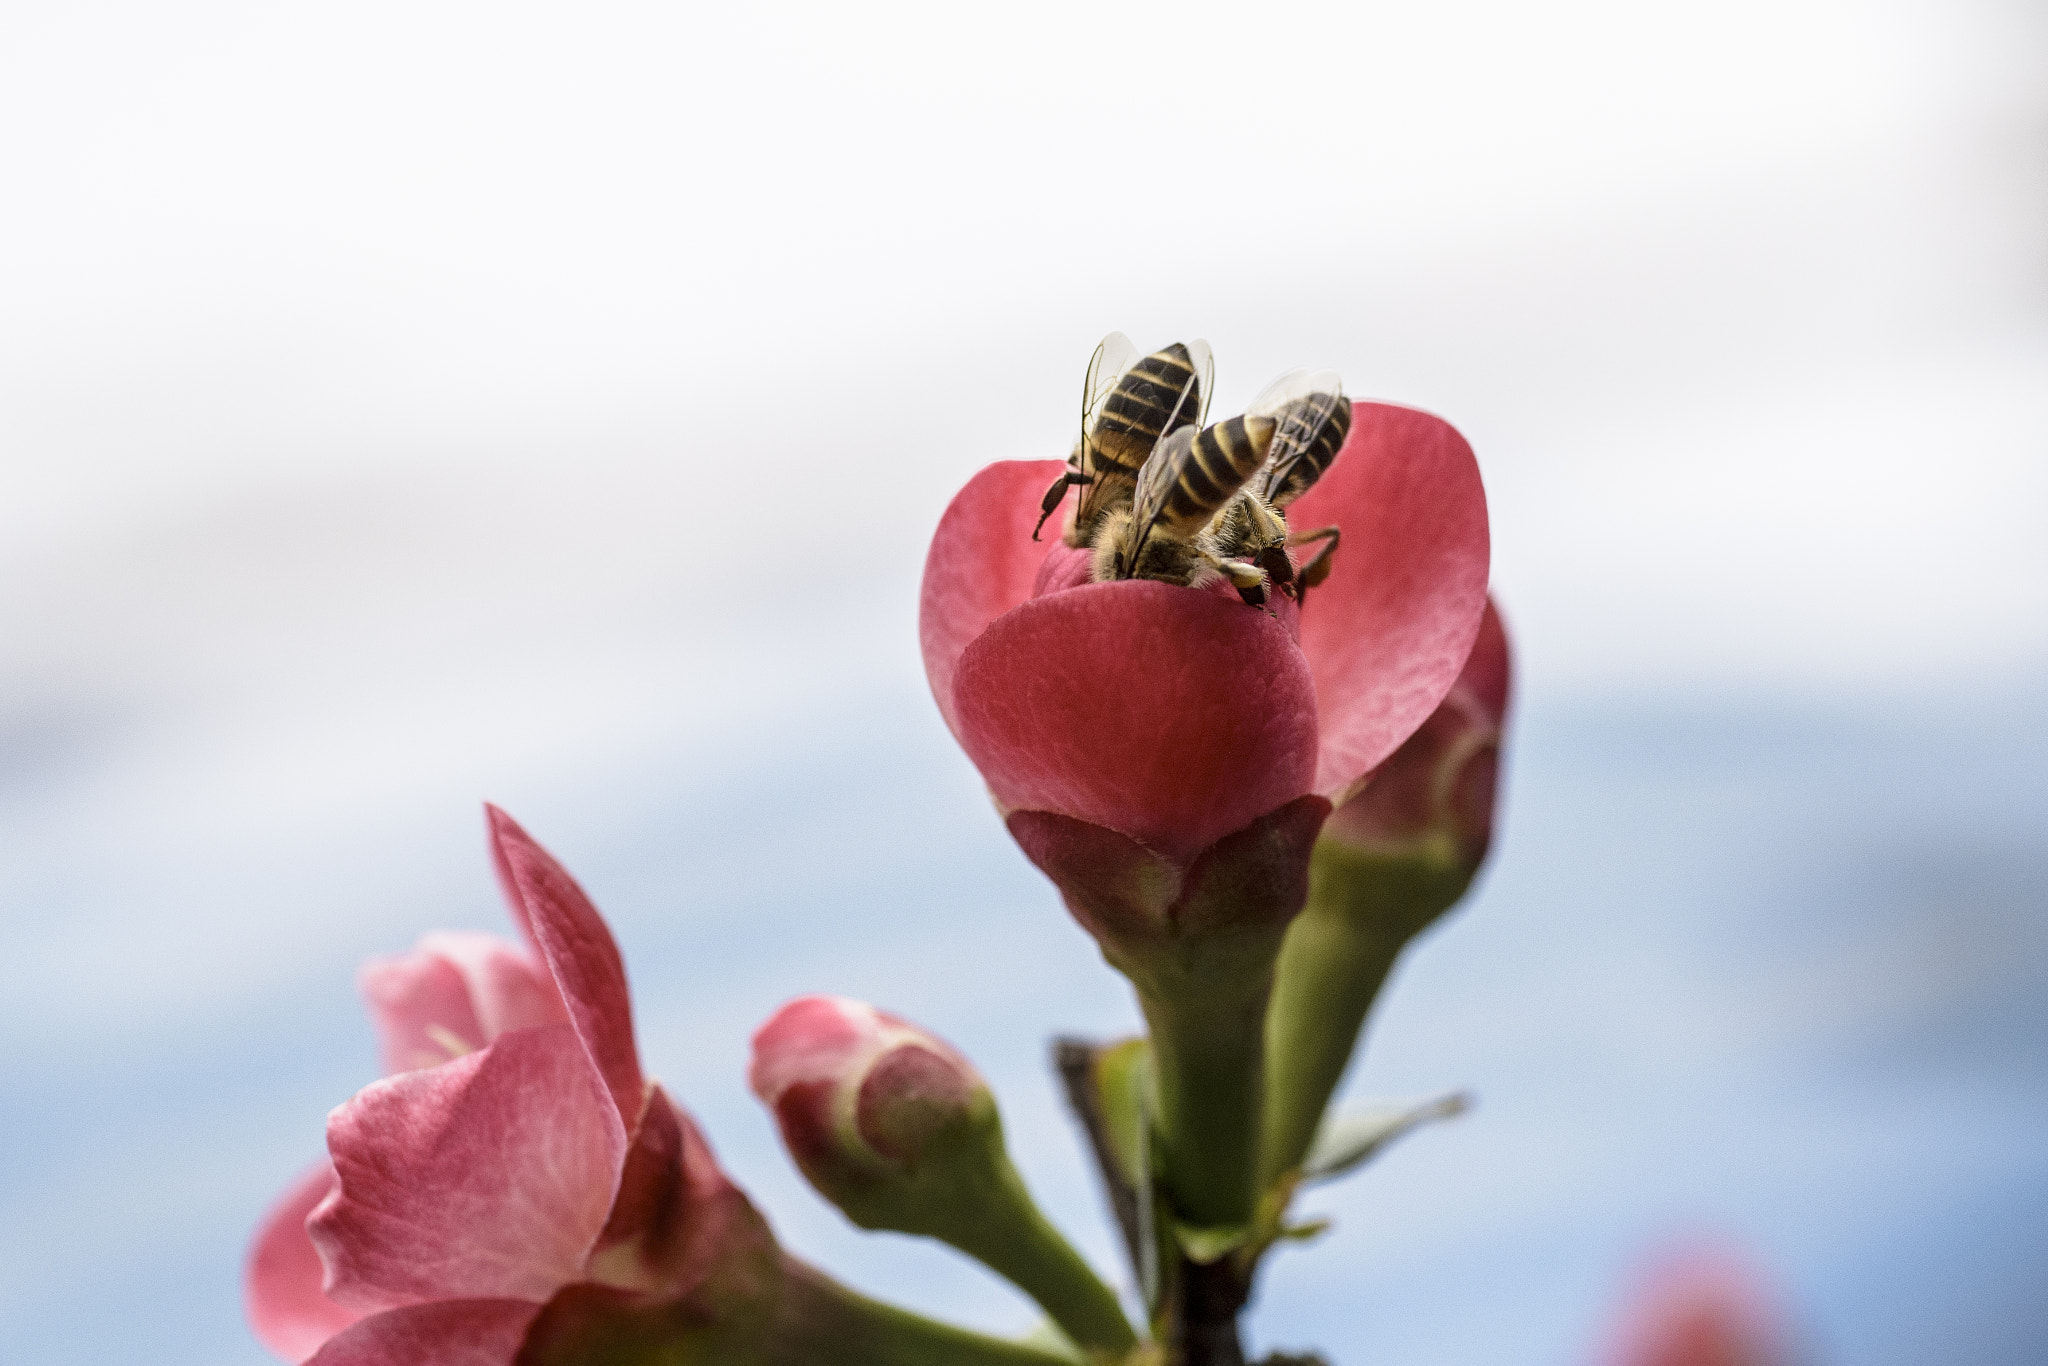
{"points": [[1388, 863], [1433, 799], [867, 1103], [896, 1128]]}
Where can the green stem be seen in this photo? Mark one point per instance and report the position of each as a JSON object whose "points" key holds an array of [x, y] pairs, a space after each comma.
{"points": [[817, 1320], [1208, 1052], [1363, 908], [1009, 1236], [1329, 976]]}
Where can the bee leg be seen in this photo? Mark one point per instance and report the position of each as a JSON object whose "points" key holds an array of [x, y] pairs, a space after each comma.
{"points": [[1319, 564], [1248, 579], [1279, 568], [1051, 502]]}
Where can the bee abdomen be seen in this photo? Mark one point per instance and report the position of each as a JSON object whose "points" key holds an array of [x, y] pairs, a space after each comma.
{"points": [[1219, 462], [1312, 430], [1154, 396]]}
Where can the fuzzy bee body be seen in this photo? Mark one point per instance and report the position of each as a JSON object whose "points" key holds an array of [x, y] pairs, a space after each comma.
{"points": [[1311, 419], [1128, 404], [1187, 479]]}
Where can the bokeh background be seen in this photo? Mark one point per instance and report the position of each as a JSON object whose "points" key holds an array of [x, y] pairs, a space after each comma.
{"points": [[402, 405]]}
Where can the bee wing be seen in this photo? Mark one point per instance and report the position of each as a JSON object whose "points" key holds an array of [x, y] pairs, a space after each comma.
{"points": [[1114, 354], [1312, 420], [1156, 479], [1205, 379]]}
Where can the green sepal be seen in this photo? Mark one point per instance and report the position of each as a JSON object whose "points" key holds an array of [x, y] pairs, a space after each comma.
{"points": [[1303, 1233], [1047, 1335], [1122, 1076], [1206, 1245], [1348, 1141], [1123, 1087]]}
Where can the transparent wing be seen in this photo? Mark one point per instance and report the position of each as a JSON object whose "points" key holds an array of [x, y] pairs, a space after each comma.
{"points": [[1312, 418], [1114, 354], [1205, 378], [1289, 387], [1156, 478]]}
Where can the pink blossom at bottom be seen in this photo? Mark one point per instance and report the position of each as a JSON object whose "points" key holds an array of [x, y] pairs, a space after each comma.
{"points": [[515, 1155]]}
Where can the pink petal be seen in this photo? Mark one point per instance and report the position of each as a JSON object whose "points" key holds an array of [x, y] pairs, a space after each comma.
{"points": [[453, 994], [1487, 668], [1169, 715], [813, 1038], [1442, 777], [678, 1217], [444, 1333], [484, 1178], [981, 564], [1065, 567], [1062, 568], [1388, 632], [421, 1007], [281, 1286], [579, 952]]}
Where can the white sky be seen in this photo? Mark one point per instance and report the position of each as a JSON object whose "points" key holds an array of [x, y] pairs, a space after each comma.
{"points": [[401, 404], [408, 399]]}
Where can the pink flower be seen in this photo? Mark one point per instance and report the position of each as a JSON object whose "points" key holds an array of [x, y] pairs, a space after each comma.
{"points": [[1125, 729], [1701, 1307], [516, 1179]]}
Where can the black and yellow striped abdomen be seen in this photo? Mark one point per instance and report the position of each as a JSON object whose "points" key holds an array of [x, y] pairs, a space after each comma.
{"points": [[1200, 474], [1158, 394], [1309, 432]]}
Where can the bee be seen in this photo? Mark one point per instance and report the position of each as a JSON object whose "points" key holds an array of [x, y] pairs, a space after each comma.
{"points": [[1189, 476], [1312, 418], [1127, 406]]}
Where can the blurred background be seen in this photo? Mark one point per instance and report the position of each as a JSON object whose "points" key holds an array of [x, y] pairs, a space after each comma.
{"points": [[403, 405]]}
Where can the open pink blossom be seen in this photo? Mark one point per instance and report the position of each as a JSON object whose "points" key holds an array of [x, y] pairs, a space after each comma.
{"points": [[516, 1174], [1128, 730]]}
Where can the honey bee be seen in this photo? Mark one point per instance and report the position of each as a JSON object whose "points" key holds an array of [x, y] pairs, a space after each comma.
{"points": [[1188, 477], [1127, 406], [1312, 418]]}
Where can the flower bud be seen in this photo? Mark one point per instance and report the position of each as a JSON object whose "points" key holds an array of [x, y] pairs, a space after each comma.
{"points": [[866, 1101], [1388, 862], [897, 1129], [1433, 799]]}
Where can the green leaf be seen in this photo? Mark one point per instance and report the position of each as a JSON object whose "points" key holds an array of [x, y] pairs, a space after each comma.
{"points": [[1346, 1142], [1047, 1334], [1206, 1245]]}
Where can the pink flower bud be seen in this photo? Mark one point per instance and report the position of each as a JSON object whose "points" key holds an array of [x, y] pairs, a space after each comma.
{"points": [[861, 1095], [1436, 793], [899, 1131]]}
